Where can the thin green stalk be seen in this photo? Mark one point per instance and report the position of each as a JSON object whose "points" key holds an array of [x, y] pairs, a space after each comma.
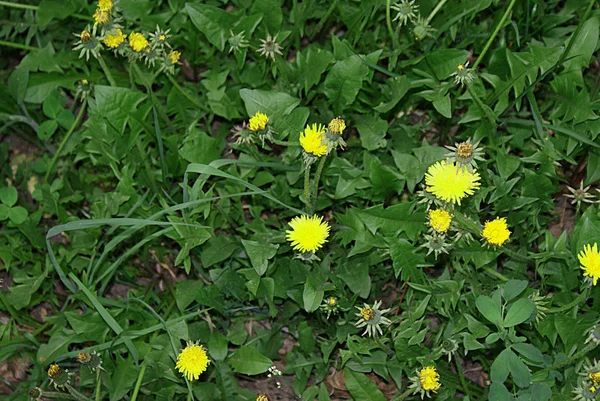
{"points": [[494, 34], [17, 5], [187, 96], [18, 46], [590, 347], [98, 386], [495, 273], [138, 383], [463, 382], [65, 140], [284, 143], [385, 347], [388, 20], [437, 8], [78, 396], [307, 187], [575, 302], [315, 190], [106, 71], [403, 395]]}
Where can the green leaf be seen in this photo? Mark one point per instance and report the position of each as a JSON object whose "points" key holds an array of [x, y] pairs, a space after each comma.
{"points": [[198, 147], [442, 63], [17, 83], [443, 105], [371, 130], [4, 212], [397, 87], [518, 370], [529, 351], [356, 276], [53, 9], [406, 260], [259, 254], [248, 361], [9, 196], [393, 220], [361, 388], [489, 308], [272, 13], [312, 297], [123, 378], [47, 129], [513, 288], [218, 346], [213, 22], [519, 312], [116, 104], [344, 81], [17, 214], [499, 392], [312, 63]]}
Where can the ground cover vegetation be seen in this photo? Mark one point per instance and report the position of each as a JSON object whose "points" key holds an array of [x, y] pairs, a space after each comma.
{"points": [[283, 200]]}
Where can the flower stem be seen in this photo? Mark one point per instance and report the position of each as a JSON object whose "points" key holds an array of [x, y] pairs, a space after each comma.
{"points": [[437, 8], [284, 143], [307, 187], [17, 5], [494, 34], [388, 20], [315, 191], [65, 140], [138, 383], [98, 386], [76, 394], [403, 395], [575, 302], [18, 46], [385, 347], [495, 273], [106, 71], [590, 347]]}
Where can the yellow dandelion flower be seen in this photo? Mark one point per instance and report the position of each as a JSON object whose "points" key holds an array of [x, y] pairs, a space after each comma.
{"points": [[332, 301], [101, 16], [589, 258], [137, 42], [258, 122], [312, 140], [105, 5], [162, 37], [85, 36], [429, 378], [262, 397], [192, 361], [595, 377], [496, 232], [174, 56], [449, 183], [308, 234], [53, 370], [440, 220], [114, 41], [337, 126], [84, 357]]}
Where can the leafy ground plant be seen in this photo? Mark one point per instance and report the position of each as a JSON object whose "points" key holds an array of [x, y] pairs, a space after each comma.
{"points": [[299, 200]]}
